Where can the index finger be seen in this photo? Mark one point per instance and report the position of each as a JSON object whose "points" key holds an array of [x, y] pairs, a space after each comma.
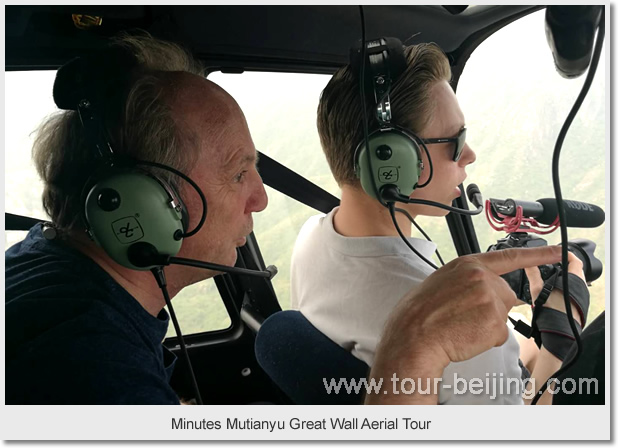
{"points": [[508, 260]]}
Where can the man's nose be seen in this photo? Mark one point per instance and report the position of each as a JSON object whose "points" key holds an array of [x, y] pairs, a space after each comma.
{"points": [[258, 199], [468, 156]]}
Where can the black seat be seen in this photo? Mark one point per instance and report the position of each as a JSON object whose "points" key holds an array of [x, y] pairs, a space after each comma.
{"points": [[299, 358]]}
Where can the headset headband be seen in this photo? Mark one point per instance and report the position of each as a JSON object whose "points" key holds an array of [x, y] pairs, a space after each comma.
{"points": [[386, 62]]}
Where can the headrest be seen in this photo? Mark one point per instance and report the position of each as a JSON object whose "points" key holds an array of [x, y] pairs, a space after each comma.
{"points": [[93, 77]]}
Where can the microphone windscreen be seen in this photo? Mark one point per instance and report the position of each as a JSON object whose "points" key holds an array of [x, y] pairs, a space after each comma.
{"points": [[142, 255], [578, 214], [471, 190]]}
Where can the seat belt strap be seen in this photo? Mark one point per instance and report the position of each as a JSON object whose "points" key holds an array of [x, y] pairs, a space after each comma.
{"points": [[286, 181]]}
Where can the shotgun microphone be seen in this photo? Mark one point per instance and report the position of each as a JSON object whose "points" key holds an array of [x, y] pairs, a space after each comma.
{"points": [[545, 211]]}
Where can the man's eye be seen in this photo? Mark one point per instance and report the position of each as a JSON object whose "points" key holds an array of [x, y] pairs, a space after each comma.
{"points": [[240, 177]]}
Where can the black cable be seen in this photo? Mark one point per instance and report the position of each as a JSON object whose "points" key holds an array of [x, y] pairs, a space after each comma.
{"points": [[392, 194], [559, 202], [407, 215], [391, 209], [190, 181], [364, 107], [160, 277]]}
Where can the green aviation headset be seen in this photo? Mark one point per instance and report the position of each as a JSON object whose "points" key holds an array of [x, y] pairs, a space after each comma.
{"points": [[394, 155], [126, 208]]}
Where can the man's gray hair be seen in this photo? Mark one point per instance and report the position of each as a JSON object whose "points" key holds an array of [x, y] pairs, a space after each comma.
{"points": [[139, 124]]}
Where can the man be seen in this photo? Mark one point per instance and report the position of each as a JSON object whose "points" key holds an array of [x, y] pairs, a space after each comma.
{"points": [[350, 268], [81, 328]]}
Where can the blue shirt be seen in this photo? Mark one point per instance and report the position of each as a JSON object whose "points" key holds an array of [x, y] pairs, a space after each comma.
{"points": [[74, 336]]}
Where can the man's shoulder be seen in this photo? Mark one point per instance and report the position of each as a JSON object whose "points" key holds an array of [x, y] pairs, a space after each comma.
{"points": [[46, 323], [80, 355], [37, 267], [61, 309], [50, 293], [312, 224], [311, 235]]}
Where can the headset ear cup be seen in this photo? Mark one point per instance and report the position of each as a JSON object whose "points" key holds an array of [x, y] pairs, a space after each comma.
{"points": [[395, 160], [128, 207]]}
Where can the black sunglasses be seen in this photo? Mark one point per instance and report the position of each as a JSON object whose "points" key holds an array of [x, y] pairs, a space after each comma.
{"points": [[459, 141]]}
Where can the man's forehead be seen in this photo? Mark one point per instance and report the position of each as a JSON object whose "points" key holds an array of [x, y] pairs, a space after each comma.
{"points": [[240, 156], [232, 141], [215, 121], [447, 117], [202, 104]]}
